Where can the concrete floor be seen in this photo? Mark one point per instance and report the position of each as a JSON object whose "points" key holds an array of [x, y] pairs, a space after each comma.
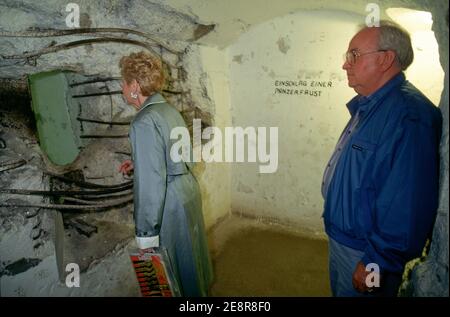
{"points": [[251, 258]]}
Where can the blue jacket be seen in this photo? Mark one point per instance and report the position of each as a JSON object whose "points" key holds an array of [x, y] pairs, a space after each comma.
{"points": [[383, 196]]}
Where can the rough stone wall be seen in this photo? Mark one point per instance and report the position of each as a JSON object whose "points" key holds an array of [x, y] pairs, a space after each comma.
{"points": [[24, 233], [31, 41], [430, 277], [34, 38]]}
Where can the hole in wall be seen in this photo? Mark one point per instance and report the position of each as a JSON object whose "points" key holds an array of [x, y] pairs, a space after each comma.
{"points": [[425, 72], [15, 106]]}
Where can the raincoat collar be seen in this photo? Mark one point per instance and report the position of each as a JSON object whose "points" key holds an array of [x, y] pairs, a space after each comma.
{"points": [[153, 99]]}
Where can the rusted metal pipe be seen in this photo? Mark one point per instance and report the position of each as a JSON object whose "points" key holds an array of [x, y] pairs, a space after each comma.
{"points": [[124, 153], [9, 165], [97, 80], [87, 184], [115, 92], [103, 122], [13, 191], [103, 136], [63, 207], [93, 197], [80, 201], [173, 92], [36, 32], [52, 49]]}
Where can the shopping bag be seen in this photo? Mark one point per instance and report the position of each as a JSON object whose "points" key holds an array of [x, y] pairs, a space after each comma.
{"points": [[154, 273]]}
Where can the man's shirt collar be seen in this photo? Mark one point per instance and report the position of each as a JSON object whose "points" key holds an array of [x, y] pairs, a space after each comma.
{"points": [[364, 103]]}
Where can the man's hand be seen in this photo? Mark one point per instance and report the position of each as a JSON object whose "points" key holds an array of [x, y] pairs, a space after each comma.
{"points": [[126, 167], [359, 278]]}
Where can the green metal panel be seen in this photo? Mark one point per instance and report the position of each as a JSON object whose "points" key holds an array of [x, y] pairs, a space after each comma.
{"points": [[50, 102]]}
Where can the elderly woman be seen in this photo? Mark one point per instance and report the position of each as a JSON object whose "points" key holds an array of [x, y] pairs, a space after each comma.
{"points": [[167, 202]]}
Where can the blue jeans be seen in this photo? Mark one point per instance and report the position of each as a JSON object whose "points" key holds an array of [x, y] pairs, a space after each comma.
{"points": [[342, 263]]}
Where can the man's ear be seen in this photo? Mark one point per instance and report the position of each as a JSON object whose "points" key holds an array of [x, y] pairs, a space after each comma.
{"points": [[388, 60]]}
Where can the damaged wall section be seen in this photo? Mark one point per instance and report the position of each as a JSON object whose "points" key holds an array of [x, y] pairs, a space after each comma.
{"points": [[37, 41]]}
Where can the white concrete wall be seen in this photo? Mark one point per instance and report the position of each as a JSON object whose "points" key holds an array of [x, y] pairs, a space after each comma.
{"points": [[306, 46], [208, 71]]}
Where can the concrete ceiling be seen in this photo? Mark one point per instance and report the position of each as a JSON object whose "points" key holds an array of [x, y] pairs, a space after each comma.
{"points": [[235, 17], [174, 23]]}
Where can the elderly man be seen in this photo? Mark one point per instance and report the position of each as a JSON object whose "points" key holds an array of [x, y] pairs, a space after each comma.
{"points": [[381, 184]]}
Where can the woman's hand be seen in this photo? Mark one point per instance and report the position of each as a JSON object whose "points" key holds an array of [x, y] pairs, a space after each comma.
{"points": [[126, 168], [145, 251]]}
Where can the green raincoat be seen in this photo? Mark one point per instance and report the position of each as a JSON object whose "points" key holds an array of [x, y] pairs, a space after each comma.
{"points": [[167, 200]]}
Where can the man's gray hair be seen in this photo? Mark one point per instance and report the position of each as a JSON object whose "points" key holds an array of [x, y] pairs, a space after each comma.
{"points": [[395, 38]]}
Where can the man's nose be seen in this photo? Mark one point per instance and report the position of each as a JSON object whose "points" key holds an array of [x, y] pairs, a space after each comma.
{"points": [[346, 65]]}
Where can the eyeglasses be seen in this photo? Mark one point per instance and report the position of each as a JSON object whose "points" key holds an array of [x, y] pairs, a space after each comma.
{"points": [[352, 56]]}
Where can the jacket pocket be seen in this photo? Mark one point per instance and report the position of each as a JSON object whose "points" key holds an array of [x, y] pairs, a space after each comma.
{"points": [[361, 161], [363, 146], [362, 156]]}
